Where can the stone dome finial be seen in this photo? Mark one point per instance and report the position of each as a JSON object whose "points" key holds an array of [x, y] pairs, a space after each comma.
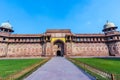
{"points": [[6, 25], [109, 25]]}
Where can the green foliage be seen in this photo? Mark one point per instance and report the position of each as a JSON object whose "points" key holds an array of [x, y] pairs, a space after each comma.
{"points": [[11, 66], [110, 65]]}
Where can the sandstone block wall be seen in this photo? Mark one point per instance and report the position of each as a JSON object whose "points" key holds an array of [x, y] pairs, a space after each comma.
{"points": [[114, 48], [118, 47], [90, 49], [68, 49], [24, 49], [48, 49], [3, 49]]}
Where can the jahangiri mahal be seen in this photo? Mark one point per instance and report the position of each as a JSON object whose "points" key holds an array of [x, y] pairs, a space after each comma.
{"points": [[59, 42]]}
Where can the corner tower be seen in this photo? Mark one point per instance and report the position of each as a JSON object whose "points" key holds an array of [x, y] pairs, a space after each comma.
{"points": [[112, 38], [5, 31]]}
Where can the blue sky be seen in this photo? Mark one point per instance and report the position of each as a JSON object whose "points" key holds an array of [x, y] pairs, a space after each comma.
{"points": [[81, 16]]}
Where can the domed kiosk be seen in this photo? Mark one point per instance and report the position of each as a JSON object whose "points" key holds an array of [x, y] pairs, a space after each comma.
{"points": [[109, 26], [6, 27]]}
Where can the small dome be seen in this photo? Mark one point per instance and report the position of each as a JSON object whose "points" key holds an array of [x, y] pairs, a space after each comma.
{"points": [[6, 25], [109, 25]]}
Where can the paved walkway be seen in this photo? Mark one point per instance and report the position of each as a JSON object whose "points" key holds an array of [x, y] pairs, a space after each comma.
{"points": [[58, 68]]}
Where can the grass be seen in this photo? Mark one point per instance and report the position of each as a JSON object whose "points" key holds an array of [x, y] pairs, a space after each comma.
{"points": [[110, 65], [98, 77], [11, 66]]}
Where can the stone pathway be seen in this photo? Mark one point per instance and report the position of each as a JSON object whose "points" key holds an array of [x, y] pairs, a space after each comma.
{"points": [[59, 68]]}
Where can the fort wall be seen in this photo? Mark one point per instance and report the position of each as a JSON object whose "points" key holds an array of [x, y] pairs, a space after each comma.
{"points": [[3, 49], [117, 48], [90, 49], [24, 49]]}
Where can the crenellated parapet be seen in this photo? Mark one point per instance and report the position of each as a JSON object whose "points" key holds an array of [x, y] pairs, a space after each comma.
{"points": [[88, 38]]}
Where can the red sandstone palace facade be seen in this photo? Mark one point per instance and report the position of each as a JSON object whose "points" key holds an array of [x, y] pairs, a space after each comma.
{"points": [[59, 42]]}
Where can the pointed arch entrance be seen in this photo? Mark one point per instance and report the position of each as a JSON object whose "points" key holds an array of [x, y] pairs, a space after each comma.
{"points": [[59, 48]]}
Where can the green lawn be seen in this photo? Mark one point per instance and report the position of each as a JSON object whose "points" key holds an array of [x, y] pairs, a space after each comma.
{"points": [[11, 66], [111, 65]]}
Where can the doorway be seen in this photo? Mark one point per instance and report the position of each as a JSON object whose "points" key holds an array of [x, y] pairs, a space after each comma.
{"points": [[59, 48], [58, 53]]}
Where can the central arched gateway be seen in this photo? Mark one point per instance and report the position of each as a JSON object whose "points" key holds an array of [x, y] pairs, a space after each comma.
{"points": [[59, 48]]}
